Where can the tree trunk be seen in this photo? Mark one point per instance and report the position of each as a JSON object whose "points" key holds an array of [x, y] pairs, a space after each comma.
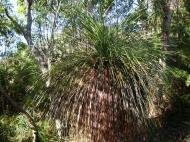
{"points": [[29, 23], [165, 28], [166, 20]]}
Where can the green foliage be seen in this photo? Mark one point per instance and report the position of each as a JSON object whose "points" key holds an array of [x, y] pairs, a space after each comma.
{"points": [[180, 74], [180, 38], [47, 131], [188, 81], [17, 69], [187, 5], [5, 25], [20, 8], [16, 128]]}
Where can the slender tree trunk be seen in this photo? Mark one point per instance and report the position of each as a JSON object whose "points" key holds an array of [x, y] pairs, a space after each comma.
{"points": [[165, 28], [29, 23], [166, 20]]}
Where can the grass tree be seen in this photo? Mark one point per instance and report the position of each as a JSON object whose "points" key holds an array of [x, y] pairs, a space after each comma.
{"points": [[104, 83]]}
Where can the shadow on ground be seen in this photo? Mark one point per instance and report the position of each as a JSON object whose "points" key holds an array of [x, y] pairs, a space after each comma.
{"points": [[176, 127]]}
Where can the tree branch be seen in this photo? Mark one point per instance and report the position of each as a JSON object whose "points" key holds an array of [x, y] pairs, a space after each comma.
{"points": [[15, 22], [108, 9]]}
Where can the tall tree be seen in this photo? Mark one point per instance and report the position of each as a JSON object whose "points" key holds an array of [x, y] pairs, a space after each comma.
{"points": [[166, 21]]}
